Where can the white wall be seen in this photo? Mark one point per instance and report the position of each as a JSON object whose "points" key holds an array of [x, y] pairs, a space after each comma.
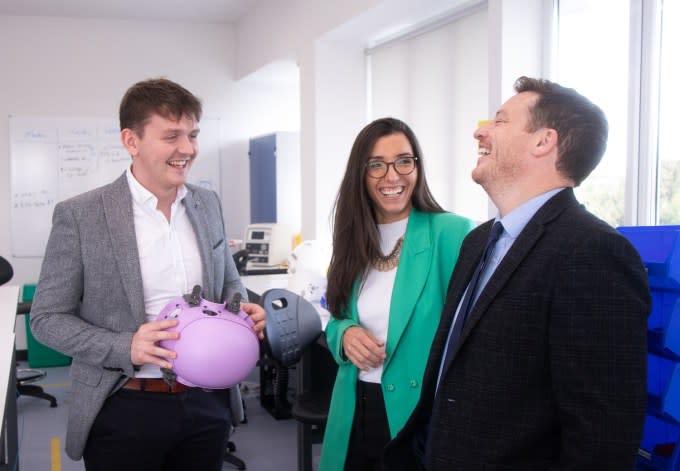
{"points": [[81, 68], [62, 67], [437, 83], [328, 40], [277, 29], [336, 112]]}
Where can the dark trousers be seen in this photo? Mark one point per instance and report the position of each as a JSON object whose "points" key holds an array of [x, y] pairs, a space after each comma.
{"points": [[146, 431], [370, 430]]}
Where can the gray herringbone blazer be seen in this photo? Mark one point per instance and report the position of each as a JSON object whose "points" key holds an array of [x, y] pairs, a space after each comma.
{"points": [[89, 299]]}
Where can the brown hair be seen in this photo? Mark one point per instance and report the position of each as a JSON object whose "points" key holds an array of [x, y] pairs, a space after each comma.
{"points": [[356, 240], [581, 126], [156, 96]]}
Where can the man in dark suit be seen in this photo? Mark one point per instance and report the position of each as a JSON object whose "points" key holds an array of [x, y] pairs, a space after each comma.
{"points": [[548, 371], [115, 257]]}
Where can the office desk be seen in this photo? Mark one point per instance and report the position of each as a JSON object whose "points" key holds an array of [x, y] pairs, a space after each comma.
{"points": [[9, 297], [258, 284]]}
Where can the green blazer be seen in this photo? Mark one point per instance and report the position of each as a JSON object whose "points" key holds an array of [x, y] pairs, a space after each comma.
{"points": [[429, 253]]}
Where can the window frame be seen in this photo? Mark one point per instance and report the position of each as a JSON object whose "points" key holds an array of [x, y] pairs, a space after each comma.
{"points": [[642, 163]]}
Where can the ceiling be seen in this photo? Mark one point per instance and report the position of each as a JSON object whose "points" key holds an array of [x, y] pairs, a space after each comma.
{"points": [[193, 11]]}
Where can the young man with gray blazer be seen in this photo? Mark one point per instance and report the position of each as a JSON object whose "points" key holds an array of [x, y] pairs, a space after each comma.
{"points": [[115, 256]]}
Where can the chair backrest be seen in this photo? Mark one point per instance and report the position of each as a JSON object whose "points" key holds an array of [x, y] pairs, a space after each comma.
{"points": [[241, 260], [292, 325], [321, 371], [6, 271]]}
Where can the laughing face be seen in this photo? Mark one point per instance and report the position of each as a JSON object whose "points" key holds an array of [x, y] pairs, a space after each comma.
{"points": [[391, 194], [162, 156], [504, 143]]}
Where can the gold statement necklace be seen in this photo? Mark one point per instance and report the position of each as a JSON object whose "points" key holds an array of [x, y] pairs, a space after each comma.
{"points": [[388, 262]]}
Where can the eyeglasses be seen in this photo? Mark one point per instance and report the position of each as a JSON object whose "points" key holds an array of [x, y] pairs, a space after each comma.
{"points": [[403, 166]]}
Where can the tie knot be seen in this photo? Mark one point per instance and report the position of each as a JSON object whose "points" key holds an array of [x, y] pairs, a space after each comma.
{"points": [[496, 231]]}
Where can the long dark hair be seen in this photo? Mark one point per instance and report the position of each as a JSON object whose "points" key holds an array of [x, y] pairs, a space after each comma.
{"points": [[356, 240]]}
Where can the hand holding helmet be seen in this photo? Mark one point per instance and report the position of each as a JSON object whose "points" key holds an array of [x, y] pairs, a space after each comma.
{"points": [[217, 347]]}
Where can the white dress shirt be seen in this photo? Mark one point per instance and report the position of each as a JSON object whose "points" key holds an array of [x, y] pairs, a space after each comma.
{"points": [[168, 254]]}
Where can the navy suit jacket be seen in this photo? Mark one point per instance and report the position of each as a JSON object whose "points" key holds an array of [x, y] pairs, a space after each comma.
{"points": [[550, 372]]}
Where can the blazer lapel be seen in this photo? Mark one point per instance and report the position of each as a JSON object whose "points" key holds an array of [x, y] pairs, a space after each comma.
{"points": [[414, 266], [117, 202], [469, 257], [470, 253], [199, 221], [519, 250]]}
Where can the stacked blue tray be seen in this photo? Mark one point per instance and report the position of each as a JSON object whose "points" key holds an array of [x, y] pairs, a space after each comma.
{"points": [[659, 248]]}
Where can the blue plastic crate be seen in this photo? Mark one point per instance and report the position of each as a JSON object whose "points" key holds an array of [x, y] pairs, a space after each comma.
{"points": [[659, 248], [658, 449], [664, 332], [663, 387], [663, 305]]}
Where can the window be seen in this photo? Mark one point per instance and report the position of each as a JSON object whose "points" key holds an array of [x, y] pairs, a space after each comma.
{"points": [[668, 190], [631, 71], [596, 64]]}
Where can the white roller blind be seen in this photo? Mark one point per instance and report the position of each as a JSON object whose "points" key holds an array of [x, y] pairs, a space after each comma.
{"points": [[437, 83]]}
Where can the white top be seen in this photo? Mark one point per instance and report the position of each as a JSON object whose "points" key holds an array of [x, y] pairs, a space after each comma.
{"points": [[168, 254], [373, 305]]}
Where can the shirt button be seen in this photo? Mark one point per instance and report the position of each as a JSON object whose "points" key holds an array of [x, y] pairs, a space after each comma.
{"points": [[414, 383], [390, 387]]}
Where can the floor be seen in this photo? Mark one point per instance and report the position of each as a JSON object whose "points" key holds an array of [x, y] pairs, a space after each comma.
{"points": [[264, 443]]}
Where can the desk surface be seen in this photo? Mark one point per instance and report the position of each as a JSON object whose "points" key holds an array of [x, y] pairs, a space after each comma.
{"points": [[9, 297], [258, 284], [6, 355]]}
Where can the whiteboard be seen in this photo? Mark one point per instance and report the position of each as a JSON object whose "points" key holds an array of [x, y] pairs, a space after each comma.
{"points": [[52, 159]]}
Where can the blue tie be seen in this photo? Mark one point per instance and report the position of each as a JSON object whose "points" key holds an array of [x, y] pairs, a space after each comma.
{"points": [[468, 301]]}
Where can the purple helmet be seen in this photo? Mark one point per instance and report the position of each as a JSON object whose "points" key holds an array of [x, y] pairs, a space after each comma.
{"points": [[217, 347]]}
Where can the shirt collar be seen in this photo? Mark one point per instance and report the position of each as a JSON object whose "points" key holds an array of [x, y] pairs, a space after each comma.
{"points": [[143, 196], [515, 221]]}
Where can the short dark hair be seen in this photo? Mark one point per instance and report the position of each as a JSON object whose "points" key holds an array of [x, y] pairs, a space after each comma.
{"points": [[156, 96], [356, 240], [581, 126]]}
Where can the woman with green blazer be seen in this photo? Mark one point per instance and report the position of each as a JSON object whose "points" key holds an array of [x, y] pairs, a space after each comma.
{"points": [[394, 249]]}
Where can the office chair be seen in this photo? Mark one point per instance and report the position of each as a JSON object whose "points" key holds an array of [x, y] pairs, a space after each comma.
{"points": [[241, 260], [26, 376], [273, 379], [232, 459], [292, 336], [318, 370]]}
